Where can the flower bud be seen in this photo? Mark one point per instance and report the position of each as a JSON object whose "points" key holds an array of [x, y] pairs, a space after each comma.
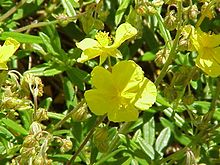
{"points": [[67, 145], [161, 57], [35, 128], [81, 114], [146, 10], [193, 12], [100, 139], [170, 21], [170, 93], [30, 141], [184, 44], [41, 114], [208, 11], [27, 152], [188, 100]]}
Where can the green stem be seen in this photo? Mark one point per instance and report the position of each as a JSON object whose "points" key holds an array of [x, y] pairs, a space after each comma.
{"points": [[98, 121], [35, 25], [61, 122], [204, 13], [173, 49], [12, 10]]}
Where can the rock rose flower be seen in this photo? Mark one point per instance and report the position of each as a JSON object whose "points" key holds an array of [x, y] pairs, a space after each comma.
{"points": [[120, 93], [6, 51], [208, 47], [102, 45]]}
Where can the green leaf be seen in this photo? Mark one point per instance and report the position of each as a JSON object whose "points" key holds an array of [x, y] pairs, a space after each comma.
{"points": [[20, 37], [14, 126], [179, 136], [69, 93], [162, 140], [147, 148], [121, 10], [69, 8], [47, 42], [148, 56], [6, 133], [149, 131], [46, 69]]}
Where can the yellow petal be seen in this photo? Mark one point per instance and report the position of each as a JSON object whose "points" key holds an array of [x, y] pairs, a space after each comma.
{"points": [[98, 103], [11, 41], [127, 76], [8, 49], [207, 63], [146, 96], [89, 53], [87, 43], [124, 31], [102, 79], [126, 114], [208, 40], [3, 66]]}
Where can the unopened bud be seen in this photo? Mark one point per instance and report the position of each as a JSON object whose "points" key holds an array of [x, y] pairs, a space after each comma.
{"points": [[27, 152], [30, 141], [170, 93], [208, 11], [81, 114], [100, 139], [193, 12], [35, 128], [67, 145], [188, 100], [146, 10], [170, 21], [161, 57], [41, 114]]}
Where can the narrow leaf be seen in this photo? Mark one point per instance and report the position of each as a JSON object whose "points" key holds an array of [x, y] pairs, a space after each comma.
{"points": [[162, 140], [147, 148], [14, 126], [121, 10], [20, 37], [149, 131]]}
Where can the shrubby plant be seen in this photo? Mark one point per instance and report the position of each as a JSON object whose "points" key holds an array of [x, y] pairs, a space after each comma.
{"points": [[109, 82]]}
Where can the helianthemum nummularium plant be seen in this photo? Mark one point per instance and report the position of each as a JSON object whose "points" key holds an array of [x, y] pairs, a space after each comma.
{"points": [[6, 51], [102, 46]]}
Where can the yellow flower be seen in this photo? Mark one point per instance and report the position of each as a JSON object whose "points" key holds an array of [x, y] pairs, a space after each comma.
{"points": [[120, 93], [208, 48], [101, 46], [6, 51]]}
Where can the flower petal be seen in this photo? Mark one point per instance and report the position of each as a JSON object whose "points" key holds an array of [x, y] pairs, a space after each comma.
{"points": [[146, 96], [126, 114], [98, 103], [127, 76], [124, 31], [3, 66], [8, 49], [208, 40], [89, 54], [207, 63], [87, 43], [102, 79]]}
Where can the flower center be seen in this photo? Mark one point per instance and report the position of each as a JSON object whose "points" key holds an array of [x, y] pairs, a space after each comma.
{"points": [[103, 38]]}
